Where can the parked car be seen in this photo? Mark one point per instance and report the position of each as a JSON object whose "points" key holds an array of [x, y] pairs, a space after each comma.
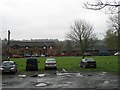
{"points": [[35, 55], [104, 53], [42, 55], [87, 54], [88, 62], [16, 56], [28, 55], [117, 54], [50, 63], [32, 64], [8, 66]]}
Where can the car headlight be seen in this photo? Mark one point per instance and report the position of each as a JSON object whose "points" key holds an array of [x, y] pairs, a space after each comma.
{"points": [[1, 68], [12, 68]]}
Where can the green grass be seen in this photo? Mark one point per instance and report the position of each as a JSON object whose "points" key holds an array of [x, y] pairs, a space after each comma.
{"points": [[104, 63]]}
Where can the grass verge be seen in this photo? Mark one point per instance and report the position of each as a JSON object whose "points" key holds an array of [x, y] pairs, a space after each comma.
{"points": [[104, 63]]}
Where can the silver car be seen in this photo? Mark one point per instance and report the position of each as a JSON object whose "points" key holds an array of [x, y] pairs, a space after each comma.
{"points": [[87, 63], [8, 66], [50, 63]]}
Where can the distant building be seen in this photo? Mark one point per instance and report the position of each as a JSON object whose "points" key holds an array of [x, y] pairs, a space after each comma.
{"points": [[31, 48]]}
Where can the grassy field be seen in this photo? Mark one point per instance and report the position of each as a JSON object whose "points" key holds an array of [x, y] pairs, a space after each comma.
{"points": [[104, 63]]}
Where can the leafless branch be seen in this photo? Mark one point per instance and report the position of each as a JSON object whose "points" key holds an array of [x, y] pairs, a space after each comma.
{"points": [[100, 5]]}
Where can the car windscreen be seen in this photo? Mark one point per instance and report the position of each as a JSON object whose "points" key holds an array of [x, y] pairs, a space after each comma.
{"points": [[7, 64], [51, 61], [90, 59]]}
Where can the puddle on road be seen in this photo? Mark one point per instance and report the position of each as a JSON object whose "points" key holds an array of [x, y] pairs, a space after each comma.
{"points": [[103, 73], [11, 83], [41, 85], [34, 76], [59, 74], [41, 75], [90, 75], [106, 83], [4, 83], [68, 82], [38, 75], [71, 74], [22, 76], [79, 74]]}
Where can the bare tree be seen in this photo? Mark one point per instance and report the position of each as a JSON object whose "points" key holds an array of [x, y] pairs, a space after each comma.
{"points": [[112, 7], [114, 23], [69, 46], [111, 39], [82, 34], [111, 36]]}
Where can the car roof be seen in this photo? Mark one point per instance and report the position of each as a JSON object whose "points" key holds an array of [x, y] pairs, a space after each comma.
{"points": [[31, 58], [50, 59], [8, 61]]}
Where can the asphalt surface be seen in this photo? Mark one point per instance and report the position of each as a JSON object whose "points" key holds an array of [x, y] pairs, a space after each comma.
{"points": [[55, 79]]}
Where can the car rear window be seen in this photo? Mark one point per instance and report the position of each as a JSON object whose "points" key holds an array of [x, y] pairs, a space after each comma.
{"points": [[31, 61], [50, 60], [7, 64]]}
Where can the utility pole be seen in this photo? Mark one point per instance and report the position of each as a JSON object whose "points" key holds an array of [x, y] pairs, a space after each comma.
{"points": [[8, 37], [8, 46]]}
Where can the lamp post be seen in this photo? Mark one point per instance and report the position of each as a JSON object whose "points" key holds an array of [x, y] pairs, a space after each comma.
{"points": [[8, 46]]}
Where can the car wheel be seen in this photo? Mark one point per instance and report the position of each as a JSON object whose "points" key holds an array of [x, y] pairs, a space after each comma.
{"points": [[55, 68], [94, 66], [81, 65], [26, 69], [36, 69], [14, 72], [84, 66], [45, 68]]}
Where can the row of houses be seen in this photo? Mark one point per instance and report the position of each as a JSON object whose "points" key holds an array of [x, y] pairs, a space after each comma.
{"points": [[50, 48], [31, 48]]}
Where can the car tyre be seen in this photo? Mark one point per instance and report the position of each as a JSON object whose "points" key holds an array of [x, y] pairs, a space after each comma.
{"points": [[84, 66], [26, 69], [45, 68], [14, 72], [36, 69], [55, 68], [81, 65]]}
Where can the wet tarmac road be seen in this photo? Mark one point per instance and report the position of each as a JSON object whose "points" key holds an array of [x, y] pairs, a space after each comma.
{"points": [[55, 79]]}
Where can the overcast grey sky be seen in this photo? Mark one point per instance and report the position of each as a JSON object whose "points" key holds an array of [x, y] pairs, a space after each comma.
{"points": [[41, 19]]}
